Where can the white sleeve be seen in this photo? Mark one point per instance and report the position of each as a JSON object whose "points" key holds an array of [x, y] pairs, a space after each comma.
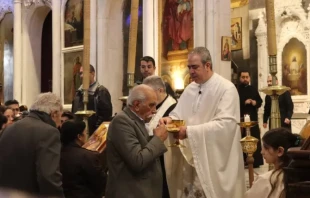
{"points": [[260, 189]]}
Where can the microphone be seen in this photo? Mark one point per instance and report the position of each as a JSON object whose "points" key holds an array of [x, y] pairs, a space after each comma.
{"points": [[199, 92]]}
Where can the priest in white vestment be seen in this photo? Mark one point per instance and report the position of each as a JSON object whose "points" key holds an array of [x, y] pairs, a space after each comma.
{"points": [[211, 164]]}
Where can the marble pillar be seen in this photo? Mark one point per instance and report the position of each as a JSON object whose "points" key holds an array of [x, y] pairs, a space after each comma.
{"points": [[148, 28], [56, 21], [17, 85], [217, 25]]}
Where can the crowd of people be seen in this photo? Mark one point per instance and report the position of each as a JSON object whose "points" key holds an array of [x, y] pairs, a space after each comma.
{"points": [[41, 150]]}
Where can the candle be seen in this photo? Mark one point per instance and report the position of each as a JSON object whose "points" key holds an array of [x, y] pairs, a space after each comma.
{"points": [[247, 118]]}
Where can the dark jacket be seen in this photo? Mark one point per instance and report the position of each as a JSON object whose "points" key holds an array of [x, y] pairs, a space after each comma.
{"points": [[30, 155], [99, 100], [133, 159], [286, 107], [249, 92], [83, 173]]}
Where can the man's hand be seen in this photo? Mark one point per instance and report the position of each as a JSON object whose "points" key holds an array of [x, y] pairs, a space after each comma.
{"points": [[165, 120], [248, 101], [161, 132], [182, 134], [253, 102], [265, 125], [287, 121]]}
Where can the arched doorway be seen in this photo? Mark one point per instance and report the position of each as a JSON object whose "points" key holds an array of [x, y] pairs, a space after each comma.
{"points": [[32, 51], [47, 55]]}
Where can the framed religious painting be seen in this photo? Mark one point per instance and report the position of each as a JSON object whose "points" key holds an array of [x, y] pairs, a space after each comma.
{"points": [[236, 33], [294, 67], [175, 39], [225, 48], [72, 80], [176, 28], [73, 23]]}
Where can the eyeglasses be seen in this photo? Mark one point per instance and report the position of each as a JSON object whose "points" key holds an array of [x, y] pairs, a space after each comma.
{"points": [[15, 109]]}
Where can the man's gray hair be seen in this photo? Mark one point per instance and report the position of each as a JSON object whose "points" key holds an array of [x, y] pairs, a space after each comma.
{"points": [[204, 54], [47, 102], [156, 82], [138, 93]]}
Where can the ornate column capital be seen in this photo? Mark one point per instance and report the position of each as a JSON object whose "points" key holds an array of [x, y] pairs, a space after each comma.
{"points": [[28, 3], [6, 7]]}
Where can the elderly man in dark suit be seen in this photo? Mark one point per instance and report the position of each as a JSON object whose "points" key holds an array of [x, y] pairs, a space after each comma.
{"points": [[133, 157], [30, 150]]}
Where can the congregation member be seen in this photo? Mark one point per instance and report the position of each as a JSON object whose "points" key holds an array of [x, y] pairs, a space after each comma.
{"points": [[3, 121], [14, 105], [211, 164], [286, 107], [166, 104], [250, 102], [9, 114], [66, 115], [147, 68], [132, 156], [83, 173], [99, 100], [276, 142], [30, 150]]}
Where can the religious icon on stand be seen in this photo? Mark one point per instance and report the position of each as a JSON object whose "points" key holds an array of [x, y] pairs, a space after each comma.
{"points": [[97, 142]]}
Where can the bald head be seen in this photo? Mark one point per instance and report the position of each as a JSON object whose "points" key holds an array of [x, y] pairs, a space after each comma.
{"points": [[142, 100]]}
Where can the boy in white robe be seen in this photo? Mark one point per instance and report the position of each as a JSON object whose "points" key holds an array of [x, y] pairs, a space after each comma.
{"points": [[211, 164]]}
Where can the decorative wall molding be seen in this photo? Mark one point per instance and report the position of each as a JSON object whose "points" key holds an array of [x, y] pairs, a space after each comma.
{"points": [[5, 7], [38, 3]]}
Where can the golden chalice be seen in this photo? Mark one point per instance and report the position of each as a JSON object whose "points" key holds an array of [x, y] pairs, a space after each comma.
{"points": [[174, 127]]}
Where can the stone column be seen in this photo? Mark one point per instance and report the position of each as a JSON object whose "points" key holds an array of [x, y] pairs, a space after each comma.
{"points": [[217, 25], [56, 21], [17, 84], [262, 63], [148, 28], [199, 21]]}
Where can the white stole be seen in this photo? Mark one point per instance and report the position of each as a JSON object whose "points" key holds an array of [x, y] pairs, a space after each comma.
{"points": [[159, 114]]}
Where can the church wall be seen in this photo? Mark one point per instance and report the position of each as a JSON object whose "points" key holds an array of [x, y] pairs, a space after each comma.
{"points": [[6, 56]]}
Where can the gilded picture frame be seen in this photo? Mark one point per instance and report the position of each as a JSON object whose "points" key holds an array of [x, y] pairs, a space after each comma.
{"points": [[236, 33]]}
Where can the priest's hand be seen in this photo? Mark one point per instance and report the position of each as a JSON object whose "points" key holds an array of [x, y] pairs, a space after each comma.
{"points": [[287, 121], [248, 101], [165, 120], [253, 102], [182, 134], [265, 125], [161, 132]]}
